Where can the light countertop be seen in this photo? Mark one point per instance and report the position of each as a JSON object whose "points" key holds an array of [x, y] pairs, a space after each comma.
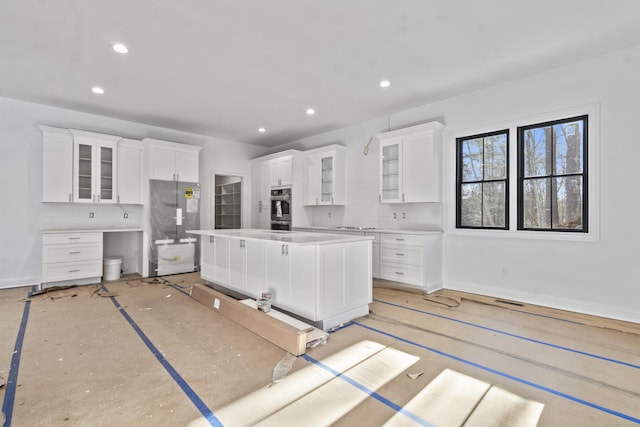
{"points": [[329, 229], [289, 237], [90, 230]]}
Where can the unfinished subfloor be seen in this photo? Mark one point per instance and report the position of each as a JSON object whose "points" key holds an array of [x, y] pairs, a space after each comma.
{"points": [[153, 356]]}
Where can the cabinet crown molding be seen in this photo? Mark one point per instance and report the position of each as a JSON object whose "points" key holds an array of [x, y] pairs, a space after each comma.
{"points": [[168, 145], [94, 136], [412, 130], [278, 155]]}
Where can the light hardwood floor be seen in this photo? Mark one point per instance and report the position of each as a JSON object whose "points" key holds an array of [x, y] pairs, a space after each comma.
{"points": [[152, 356]]}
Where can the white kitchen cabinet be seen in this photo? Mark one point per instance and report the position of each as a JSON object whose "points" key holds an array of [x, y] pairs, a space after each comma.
{"points": [[414, 259], [245, 266], [207, 251], [325, 180], [260, 196], [410, 164], [71, 257], [337, 294], [327, 283], [130, 172], [57, 164], [375, 254], [170, 161], [221, 254], [291, 277], [94, 167], [281, 171]]}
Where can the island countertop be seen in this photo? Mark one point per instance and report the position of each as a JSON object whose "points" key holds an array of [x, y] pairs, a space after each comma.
{"points": [[288, 237]]}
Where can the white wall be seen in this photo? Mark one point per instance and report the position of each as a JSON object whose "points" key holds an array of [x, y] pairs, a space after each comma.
{"points": [[23, 214], [600, 277]]}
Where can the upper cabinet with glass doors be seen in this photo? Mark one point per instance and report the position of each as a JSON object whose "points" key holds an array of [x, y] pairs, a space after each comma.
{"points": [[94, 167], [410, 164], [325, 178]]}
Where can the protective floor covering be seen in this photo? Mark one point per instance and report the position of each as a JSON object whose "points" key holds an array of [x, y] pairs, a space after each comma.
{"points": [[149, 355]]}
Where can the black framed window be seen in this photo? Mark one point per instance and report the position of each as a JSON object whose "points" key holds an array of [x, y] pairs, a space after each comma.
{"points": [[552, 176], [482, 189]]}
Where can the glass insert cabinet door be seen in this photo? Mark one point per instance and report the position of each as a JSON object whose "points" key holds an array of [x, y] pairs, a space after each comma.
{"points": [[94, 170], [84, 179], [105, 190], [390, 172], [326, 181]]}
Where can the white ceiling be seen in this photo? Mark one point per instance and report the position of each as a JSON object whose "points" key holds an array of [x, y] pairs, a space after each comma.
{"points": [[226, 67]]}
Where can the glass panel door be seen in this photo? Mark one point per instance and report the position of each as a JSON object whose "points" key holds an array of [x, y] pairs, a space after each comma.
{"points": [[327, 179], [85, 172], [106, 174], [391, 172]]}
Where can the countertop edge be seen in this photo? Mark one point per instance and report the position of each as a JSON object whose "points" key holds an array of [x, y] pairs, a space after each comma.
{"points": [[372, 230], [300, 238], [90, 230]]}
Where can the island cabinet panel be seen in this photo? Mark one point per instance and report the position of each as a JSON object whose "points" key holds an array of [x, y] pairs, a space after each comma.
{"points": [[221, 260], [291, 278], [246, 266], [207, 257], [338, 276]]}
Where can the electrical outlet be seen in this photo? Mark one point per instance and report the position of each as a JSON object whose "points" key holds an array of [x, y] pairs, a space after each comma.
{"points": [[126, 215], [504, 271], [90, 214], [329, 214]]}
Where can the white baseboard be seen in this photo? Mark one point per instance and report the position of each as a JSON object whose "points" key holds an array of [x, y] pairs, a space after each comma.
{"points": [[584, 307], [19, 282]]}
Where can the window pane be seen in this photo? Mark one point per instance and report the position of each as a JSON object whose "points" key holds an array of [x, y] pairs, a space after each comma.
{"points": [[472, 159], [568, 205], [568, 150], [495, 157], [537, 203], [494, 204], [471, 205], [537, 147]]}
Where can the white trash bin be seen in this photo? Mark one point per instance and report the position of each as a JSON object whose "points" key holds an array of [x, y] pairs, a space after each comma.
{"points": [[112, 266]]}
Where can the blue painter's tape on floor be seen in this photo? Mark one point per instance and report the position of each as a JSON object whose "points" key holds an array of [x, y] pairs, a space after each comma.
{"points": [[12, 381], [498, 331], [191, 394], [368, 391], [503, 374]]}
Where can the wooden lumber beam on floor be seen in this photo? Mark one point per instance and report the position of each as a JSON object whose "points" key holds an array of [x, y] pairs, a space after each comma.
{"points": [[276, 331]]}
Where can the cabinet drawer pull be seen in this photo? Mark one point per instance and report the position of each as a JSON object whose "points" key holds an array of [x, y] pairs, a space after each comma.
{"points": [[74, 238], [400, 254], [400, 273], [73, 271], [74, 253], [400, 240]]}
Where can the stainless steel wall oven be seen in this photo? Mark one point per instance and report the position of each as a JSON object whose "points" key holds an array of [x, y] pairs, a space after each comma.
{"points": [[281, 209]]}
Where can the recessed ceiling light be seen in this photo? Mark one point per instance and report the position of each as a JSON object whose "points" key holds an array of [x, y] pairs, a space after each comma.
{"points": [[120, 48], [385, 83], [310, 111], [97, 90], [262, 130]]}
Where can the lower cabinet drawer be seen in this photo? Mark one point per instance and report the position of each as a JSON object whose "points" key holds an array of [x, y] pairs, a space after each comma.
{"points": [[403, 254], [402, 273], [71, 270], [62, 238], [71, 252]]}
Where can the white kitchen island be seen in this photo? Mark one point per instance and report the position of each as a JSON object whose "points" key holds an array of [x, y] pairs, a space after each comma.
{"points": [[322, 278]]}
